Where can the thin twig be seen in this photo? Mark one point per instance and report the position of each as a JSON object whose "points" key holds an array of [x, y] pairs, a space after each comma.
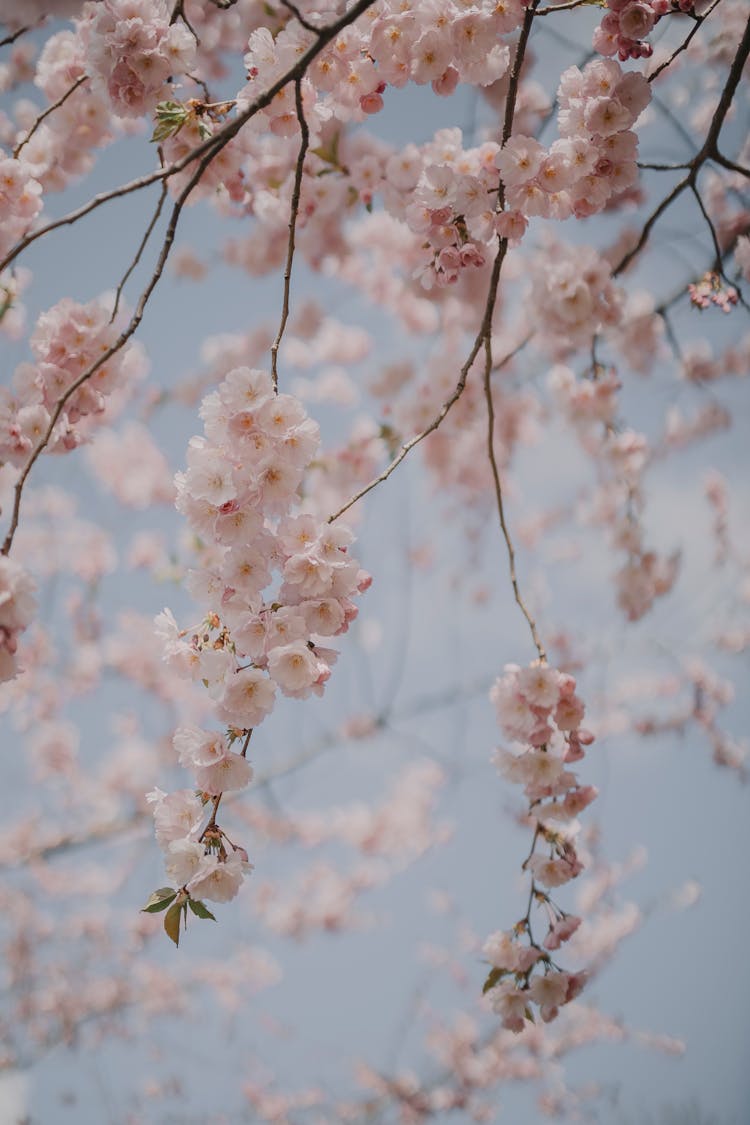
{"points": [[730, 164], [178, 13], [488, 359], [409, 445], [563, 7], [299, 17], [87, 208], [676, 191], [662, 167], [141, 248], [500, 506], [13, 36], [55, 105], [293, 213], [685, 44], [485, 329]]}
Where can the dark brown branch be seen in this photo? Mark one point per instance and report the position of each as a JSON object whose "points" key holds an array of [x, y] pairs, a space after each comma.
{"points": [[87, 208], [708, 150], [13, 36], [730, 164], [293, 213], [178, 13], [50, 109]]}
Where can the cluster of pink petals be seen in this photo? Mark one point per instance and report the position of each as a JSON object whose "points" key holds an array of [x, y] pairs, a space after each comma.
{"points": [[20, 201], [240, 495], [64, 147], [538, 708], [622, 456], [451, 207], [17, 606], [204, 870], [67, 340], [625, 26], [710, 290], [595, 157], [574, 297], [132, 50], [441, 46]]}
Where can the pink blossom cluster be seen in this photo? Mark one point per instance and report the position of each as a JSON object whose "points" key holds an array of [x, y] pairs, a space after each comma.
{"points": [[132, 49], [240, 495], [710, 290], [573, 296], [20, 201], [451, 207], [445, 46], [196, 858], [595, 157], [622, 457], [67, 340], [538, 708], [17, 606], [64, 147], [625, 26]]}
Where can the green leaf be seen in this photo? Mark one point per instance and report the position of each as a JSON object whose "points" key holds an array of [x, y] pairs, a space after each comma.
{"points": [[495, 975], [172, 922], [170, 117], [199, 910], [160, 900]]}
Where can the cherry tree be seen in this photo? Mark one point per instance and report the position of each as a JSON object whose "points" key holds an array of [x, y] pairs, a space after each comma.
{"points": [[333, 428]]}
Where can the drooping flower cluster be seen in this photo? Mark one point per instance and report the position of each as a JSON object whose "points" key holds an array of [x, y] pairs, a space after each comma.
{"points": [[538, 709], [132, 49], [622, 457], [17, 606], [68, 339], [241, 496]]}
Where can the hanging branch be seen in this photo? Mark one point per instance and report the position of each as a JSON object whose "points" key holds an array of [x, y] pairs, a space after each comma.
{"points": [[293, 213]]}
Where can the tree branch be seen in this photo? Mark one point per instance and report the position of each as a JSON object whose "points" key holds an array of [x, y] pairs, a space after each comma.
{"points": [[293, 213], [55, 105]]}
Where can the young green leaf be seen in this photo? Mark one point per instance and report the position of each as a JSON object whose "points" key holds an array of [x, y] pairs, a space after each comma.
{"points": [[160, 900], [199, 909], [170, 117]]}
